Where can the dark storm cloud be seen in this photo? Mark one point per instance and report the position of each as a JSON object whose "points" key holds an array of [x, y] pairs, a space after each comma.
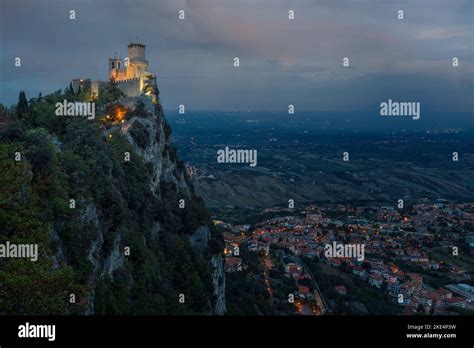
{"points": [[282, 61]]}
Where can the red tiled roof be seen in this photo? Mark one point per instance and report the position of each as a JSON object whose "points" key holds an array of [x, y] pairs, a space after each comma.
{"points": [[232, 261], [455, 300], [304, 289]]}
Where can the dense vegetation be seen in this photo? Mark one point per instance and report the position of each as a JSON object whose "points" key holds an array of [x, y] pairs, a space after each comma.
{"points": [[64, 158], [245, 290], [375, 301]]}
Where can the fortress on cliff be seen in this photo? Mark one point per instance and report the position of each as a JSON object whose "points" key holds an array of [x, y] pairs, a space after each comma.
{"points": [[129, 75]]}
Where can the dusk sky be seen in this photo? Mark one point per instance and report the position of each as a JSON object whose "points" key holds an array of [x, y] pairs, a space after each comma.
{"points": [[282, 61]]}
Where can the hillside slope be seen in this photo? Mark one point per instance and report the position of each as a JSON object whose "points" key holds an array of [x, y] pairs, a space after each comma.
{"points": [[101, 198]]}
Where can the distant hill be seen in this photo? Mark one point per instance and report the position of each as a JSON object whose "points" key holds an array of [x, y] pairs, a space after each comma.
{"points": [[300, 158]]}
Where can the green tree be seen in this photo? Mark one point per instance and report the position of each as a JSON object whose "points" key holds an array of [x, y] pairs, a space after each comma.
{"points": [[22, 106]]}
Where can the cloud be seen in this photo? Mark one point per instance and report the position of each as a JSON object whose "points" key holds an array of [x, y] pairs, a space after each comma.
{"points": [[282, 61]]}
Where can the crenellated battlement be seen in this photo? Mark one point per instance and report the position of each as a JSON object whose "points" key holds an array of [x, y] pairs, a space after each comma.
{"points": [[130, 87], [133, 79]]}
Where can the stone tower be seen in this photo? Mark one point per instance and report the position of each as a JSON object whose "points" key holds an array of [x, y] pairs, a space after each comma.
{"points": [[130, 75], [138, 64], [116, 70]]}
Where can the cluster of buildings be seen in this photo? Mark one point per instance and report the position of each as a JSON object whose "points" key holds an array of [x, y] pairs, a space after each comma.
{"points": [[234, 239], [394, 239], [309, 300]]}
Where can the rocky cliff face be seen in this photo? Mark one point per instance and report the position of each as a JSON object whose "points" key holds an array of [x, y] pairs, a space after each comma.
{"points": [[148, 134], [218, 281], [200, 239]]}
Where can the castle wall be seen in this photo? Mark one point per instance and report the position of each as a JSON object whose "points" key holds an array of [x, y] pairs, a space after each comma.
{"points": [[130, 87], [133, 70], [95, 89], [122, 74]]}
